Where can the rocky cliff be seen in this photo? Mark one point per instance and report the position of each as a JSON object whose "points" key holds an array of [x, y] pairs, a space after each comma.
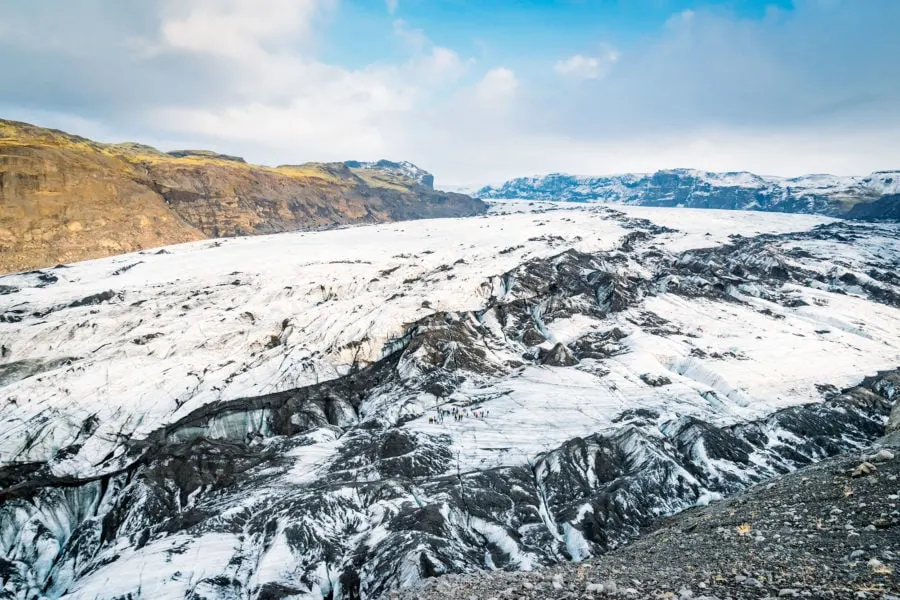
{"points": [[65, 198]]}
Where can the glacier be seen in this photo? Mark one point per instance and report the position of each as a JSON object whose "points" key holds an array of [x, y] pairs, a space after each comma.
{"points": [[275, 416]]}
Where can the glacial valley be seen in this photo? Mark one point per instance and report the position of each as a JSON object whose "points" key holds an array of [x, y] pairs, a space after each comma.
{"points": [[342, 414]]}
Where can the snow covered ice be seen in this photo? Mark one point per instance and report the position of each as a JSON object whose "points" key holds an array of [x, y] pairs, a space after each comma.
{"points": [[249, 415], [822, 194]]}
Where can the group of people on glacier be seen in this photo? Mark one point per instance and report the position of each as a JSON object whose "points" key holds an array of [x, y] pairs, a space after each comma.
{"points": [[458, 414]]}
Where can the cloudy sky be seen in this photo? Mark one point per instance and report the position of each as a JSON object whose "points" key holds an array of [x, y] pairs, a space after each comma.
{"points": [[474, 90]]}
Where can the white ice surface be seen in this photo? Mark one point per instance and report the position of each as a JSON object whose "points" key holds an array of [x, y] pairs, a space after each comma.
{"points": [[166, 568], [219, 340]]}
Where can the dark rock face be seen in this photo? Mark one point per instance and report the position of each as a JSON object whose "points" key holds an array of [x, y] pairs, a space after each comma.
{"points": [[885, 208], [558, 356], [393, 505], [599, 345], [856, 198], [818, 532], [655, 380]]}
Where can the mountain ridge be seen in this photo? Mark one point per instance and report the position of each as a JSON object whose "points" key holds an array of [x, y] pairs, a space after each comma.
{"points": [[837, 196], [65, 198]]}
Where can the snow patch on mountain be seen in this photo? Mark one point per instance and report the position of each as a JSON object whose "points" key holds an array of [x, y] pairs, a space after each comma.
{"points": [[403, 169], [826, 194]]}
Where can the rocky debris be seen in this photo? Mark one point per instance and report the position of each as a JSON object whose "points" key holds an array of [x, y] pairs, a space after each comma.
{"points": [[143, 340], [882, 455], [558, 356], [95, 299], [126, 268], [655, 380], [863, 469], [893, 423], [814, 533], [599, 345], [14, 315]]}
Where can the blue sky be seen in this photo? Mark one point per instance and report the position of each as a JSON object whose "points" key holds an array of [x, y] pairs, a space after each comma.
{"points": [[514, 30], [473, 90]]}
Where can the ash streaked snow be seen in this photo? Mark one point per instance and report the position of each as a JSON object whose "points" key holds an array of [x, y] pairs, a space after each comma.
{"points": [[220, 320], [274, 415]]}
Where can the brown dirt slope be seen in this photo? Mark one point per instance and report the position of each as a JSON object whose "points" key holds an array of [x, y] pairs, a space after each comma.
{"points": [[64, 198]]}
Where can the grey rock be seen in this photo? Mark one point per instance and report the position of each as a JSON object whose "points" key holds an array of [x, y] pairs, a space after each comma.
{"points": [[882, 455], [864, 468], [893, 423]]}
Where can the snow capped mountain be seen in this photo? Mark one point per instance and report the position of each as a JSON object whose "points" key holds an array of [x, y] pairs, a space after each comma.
{"points": [[337, 414], [401, 169], [825, 194], [884, 182]]}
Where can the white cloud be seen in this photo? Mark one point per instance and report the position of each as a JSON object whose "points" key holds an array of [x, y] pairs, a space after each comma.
{"points": [[285, 102], [440, 65], [392, 5], [587, 67], [685, 17], [238, 29], [710, 90], [430, 63], [497, 87], [287, 107]]}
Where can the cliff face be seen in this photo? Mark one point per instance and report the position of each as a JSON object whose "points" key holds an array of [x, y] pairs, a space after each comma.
{"points": [[64, 198], [236, 199]]}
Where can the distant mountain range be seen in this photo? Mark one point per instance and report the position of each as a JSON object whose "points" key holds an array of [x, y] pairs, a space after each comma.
{"points": [[875, 196], [64, 198]]}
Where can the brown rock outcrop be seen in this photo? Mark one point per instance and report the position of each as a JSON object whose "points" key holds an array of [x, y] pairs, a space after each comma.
{"points": [[64, 198]]}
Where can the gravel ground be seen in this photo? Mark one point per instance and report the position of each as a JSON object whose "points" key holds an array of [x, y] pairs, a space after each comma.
{"points": [[831, 530]]}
